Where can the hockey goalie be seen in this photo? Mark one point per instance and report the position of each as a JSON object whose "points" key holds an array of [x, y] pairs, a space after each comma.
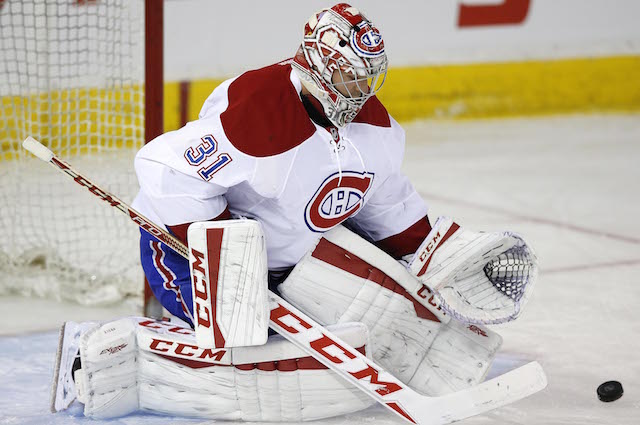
{"points": [[290, 181]]}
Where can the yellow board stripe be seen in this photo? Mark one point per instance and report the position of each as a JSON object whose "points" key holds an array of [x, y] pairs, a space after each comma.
{"points": [[486, 90], [492, 90], [514, 88]]}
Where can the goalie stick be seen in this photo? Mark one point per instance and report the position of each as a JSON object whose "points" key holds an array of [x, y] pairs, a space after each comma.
{"points": [[338, 356]]}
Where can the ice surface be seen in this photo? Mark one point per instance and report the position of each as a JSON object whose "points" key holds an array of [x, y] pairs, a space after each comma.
{"points": [[570, 185]]}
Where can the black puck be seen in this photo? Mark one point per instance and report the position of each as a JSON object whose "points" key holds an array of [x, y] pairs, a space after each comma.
{"points": [[610, 391]]}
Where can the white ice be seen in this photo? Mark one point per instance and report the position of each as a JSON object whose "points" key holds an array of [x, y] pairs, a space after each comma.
{"points": [[571, 185]]}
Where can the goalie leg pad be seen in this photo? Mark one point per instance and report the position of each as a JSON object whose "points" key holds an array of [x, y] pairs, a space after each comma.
{"points": [[107, 382], [140, 364], [428, 351]]}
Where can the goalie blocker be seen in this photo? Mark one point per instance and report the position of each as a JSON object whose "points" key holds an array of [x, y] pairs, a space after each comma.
{"points": [[228, 265]]}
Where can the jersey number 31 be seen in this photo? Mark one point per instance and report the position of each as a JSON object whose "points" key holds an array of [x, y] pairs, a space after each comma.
{"points": [[199, 154]]}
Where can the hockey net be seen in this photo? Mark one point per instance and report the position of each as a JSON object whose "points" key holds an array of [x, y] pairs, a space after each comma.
{"points": [[72, 76]]}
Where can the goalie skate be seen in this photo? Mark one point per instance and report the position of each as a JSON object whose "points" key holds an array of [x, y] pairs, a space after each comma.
{"points": [[63, 389]]}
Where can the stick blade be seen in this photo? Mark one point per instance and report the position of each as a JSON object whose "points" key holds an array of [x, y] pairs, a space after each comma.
{"points": [[38, 149], [497, 392]]}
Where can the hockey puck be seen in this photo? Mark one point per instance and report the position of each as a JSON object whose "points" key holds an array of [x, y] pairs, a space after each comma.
{"points": [[610, 391]]}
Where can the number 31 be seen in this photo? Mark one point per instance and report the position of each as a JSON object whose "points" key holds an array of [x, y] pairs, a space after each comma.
{"points": [[199, 154]]}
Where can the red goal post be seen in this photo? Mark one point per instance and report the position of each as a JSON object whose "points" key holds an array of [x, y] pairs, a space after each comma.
{"points": [[154, 104]]}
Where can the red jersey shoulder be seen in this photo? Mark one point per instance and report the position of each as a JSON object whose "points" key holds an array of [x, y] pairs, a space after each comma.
{"points": [[373, 112], [265, 115]]}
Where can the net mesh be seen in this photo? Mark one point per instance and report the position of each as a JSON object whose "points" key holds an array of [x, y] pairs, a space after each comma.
{"points": [[494, 287], [71, 75], [511, 271]]}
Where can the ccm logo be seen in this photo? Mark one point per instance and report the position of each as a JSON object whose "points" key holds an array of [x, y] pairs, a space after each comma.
{"points": [[162, 326], [108, 198], [180, 349], [428, 250], [331, 350], [432, 301], [86, 183], [201, 290]]}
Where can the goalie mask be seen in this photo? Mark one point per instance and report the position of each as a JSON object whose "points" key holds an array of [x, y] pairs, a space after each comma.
{"points": [[341, 61]]}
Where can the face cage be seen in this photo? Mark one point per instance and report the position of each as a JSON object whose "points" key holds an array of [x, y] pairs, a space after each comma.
{"points": [[353, 85]]}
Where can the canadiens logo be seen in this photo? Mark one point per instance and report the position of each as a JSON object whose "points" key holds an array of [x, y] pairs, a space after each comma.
{"points": [[333, 203], [371, 39], [367, 42]]}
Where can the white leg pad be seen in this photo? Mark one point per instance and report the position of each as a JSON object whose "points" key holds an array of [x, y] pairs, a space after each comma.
{"points": [[432, 353], [107, 383], [139, 364]]}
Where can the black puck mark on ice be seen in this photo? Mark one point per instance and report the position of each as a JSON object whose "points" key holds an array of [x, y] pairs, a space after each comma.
{"points": [[610, 391]]}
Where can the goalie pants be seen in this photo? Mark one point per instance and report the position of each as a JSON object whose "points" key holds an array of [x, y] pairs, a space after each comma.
{"points": [[169, 278], [168, 275]]}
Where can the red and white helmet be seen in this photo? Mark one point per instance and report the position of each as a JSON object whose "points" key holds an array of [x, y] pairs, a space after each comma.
{"points": [[341, 61]]}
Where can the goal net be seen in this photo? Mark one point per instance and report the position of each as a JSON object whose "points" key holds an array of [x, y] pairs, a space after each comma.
{"points": [[72, 76]]}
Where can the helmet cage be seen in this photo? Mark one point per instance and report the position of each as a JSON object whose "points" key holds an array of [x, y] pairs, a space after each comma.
{"points": [[345, 63]]}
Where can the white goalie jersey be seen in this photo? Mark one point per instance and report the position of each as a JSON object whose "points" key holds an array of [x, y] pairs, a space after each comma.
{"points": [[255, 151]]}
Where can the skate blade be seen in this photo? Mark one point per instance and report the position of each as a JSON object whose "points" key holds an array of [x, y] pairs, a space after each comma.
{"points": [[63, 390]]}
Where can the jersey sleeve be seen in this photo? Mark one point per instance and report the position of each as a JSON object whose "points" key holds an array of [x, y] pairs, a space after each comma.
{"points": [[184, 174]]}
